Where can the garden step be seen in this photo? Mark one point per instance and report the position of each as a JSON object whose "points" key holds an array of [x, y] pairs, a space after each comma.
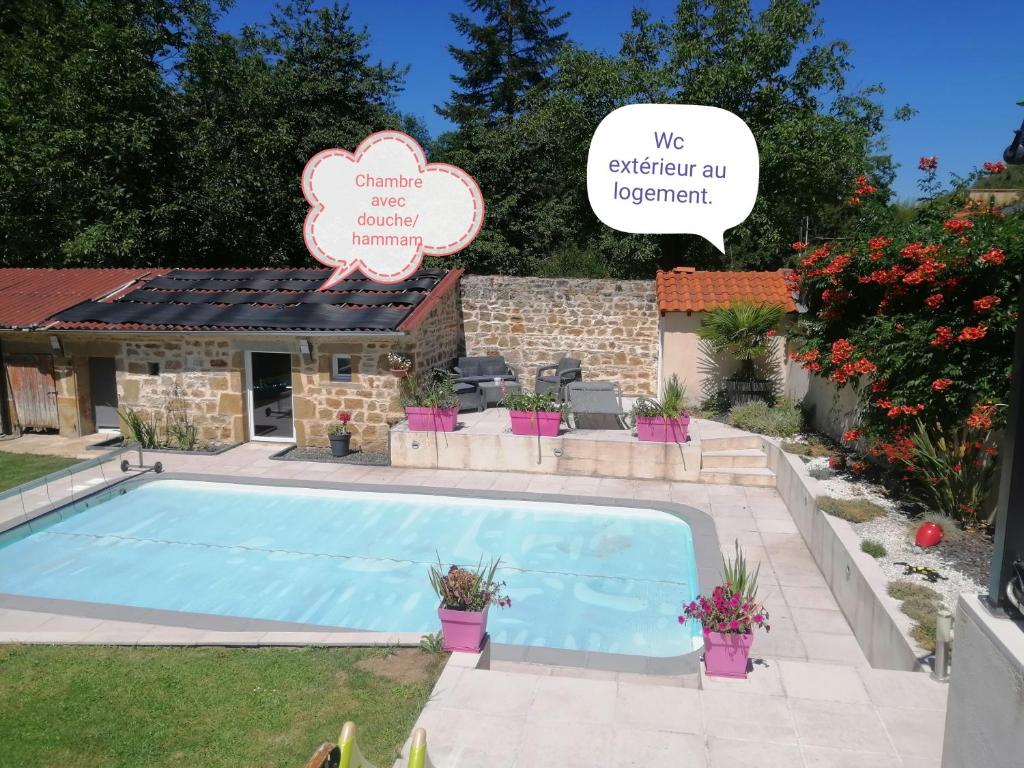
{"points": [[732, 443], [734, 459], [750, 476]]}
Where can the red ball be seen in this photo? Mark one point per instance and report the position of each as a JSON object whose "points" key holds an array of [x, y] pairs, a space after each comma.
{"points": [[928, 535]]}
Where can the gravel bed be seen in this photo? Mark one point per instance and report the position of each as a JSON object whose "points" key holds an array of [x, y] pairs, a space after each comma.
{"points": [[964, 563], [366, 458]]}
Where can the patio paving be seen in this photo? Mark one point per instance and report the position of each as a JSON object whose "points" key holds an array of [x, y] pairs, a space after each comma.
{"points": [[54, 445], [812, 699]]}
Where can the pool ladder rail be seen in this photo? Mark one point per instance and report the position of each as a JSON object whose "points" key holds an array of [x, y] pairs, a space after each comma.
{"points": [[346, 753]]}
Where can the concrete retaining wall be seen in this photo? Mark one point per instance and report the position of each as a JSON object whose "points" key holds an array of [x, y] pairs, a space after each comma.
{"points": [[856, 581], [985, 715]]}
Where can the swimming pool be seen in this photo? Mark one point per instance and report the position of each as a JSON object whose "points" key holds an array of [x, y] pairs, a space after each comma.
{"points": [[581, 577]]}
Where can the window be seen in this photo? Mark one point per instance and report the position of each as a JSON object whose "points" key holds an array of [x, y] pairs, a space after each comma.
{"points": [[154, 369], [341, 368]]}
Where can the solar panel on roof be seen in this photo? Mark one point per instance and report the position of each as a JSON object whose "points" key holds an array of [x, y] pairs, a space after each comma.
{"points": [[145, 296]]}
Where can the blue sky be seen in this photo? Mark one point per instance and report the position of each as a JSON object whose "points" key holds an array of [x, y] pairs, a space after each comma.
{"points": [[961, 65]]}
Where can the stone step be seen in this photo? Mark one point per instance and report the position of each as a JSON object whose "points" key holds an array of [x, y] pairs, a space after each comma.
{"points": [[749, 476], [732, 443], [735, 459]]}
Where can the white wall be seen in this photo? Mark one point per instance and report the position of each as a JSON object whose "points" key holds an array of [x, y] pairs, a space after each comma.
{"points": [[833, 409]]}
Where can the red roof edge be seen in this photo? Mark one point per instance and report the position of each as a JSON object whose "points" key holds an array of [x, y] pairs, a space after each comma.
{"points": [[419, 314]]}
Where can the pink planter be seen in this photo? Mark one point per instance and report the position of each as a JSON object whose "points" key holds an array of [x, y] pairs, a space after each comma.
{"points": [[658, 429], [725, 655], [432, 419], [462, 630], [540, 423]]}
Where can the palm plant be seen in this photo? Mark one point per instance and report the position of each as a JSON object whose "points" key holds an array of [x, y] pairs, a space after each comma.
{"points": [[744, 330]]}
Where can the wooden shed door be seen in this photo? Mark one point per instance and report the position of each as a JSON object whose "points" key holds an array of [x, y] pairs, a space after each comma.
{"points": [[34, 391]]}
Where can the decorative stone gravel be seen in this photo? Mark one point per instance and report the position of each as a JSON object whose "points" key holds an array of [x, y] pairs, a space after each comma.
{"points": [[310, 453], [964, 564]]}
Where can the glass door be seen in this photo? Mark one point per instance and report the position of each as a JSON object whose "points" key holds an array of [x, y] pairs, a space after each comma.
{"points": [[270, 396]]}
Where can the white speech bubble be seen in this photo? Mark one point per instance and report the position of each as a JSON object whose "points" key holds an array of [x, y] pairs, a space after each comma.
{"points": [[382, 208], [673, 168]]}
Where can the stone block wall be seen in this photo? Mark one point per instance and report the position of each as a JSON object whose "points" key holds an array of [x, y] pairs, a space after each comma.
{"points": [[198, 374], [611, 325]]}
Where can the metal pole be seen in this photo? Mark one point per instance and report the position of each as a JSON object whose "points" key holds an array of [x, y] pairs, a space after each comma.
{"points": [[1009, 538]]}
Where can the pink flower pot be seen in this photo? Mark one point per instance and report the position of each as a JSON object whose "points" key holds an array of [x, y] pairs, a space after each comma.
{"points": [[725, 654], [540, 423], [658, 429], [432, 419], [462, 630]]}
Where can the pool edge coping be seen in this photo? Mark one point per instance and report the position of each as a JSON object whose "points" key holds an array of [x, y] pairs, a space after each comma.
{"points": [[706, 547]]}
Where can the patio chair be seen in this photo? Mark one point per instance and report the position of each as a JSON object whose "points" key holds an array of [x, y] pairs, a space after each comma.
{"points": [[594, 398], [555, 377], [473, 370]]}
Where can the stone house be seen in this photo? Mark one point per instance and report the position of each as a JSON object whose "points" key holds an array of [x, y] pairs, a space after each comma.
{"points": [[245, 354]]}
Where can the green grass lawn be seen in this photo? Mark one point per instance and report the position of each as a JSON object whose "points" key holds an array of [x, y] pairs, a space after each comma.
{"points": [[18, 468], [104, 707]]}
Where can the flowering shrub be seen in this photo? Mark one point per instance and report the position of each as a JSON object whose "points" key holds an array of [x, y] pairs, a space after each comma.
{"points": [[466, 589], [341, 427], [919, 316], [726, 611], [397, 362]]}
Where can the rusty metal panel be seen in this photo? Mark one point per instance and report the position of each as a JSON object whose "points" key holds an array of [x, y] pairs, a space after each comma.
{"points": [[34, 390]]}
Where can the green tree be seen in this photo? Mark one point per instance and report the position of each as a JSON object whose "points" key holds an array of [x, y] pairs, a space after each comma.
{"points": [[815, 136], [83, 127], [510, 52], [250, 110]]}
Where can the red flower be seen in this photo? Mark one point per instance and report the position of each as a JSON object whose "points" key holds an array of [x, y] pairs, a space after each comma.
{"points": [[940, 384], [973, 333], [344, 417], [986, 303], [993, 256], [981, 417], [851, 436], [943, 337], [928, 163], [853, 200], [835, 463], [841, 350], [771, 333], [997, 167], [862, 186], [956, 226], [880, 242], [799, 245], [935, 300]]}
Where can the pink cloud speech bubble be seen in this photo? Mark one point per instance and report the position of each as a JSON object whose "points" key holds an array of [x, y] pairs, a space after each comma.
{"points": [[382, 208]]}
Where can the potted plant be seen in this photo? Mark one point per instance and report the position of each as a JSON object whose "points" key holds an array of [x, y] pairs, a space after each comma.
{"points": [[399, 364], [534, 414], [431, 406], [465, 595], [339, 435], [665, 421], [729, 617], [746, 331]]}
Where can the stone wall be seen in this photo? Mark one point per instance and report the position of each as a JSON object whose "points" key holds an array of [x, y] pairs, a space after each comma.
{"points": [[198, 375], [611, 325]]}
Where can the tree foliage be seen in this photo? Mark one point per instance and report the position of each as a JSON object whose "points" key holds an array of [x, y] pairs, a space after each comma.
{"points": [[815, 135], [137, 133]]}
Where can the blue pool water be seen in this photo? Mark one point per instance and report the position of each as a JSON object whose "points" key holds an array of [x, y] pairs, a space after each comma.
{"points": [[580, 577]]}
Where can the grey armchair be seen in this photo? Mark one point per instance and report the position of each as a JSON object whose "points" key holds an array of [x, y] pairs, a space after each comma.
{"points": [[557, 376], [474, 370]]}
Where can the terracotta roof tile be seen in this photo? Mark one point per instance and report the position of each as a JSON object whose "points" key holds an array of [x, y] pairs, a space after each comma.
{"points": [[685, 289]]}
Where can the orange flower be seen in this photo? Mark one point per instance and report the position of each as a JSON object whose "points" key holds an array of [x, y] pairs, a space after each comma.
{"points": [[993, 256], [986, 303], [973, 333], [935, 300], [940, 384]]}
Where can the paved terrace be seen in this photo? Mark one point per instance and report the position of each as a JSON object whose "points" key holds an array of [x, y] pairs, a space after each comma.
{"points": [[812, 699]]}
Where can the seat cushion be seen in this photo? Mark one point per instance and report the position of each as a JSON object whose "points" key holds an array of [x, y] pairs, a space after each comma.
{"points": [[470, 366], [493, 366], [479, 379]]}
